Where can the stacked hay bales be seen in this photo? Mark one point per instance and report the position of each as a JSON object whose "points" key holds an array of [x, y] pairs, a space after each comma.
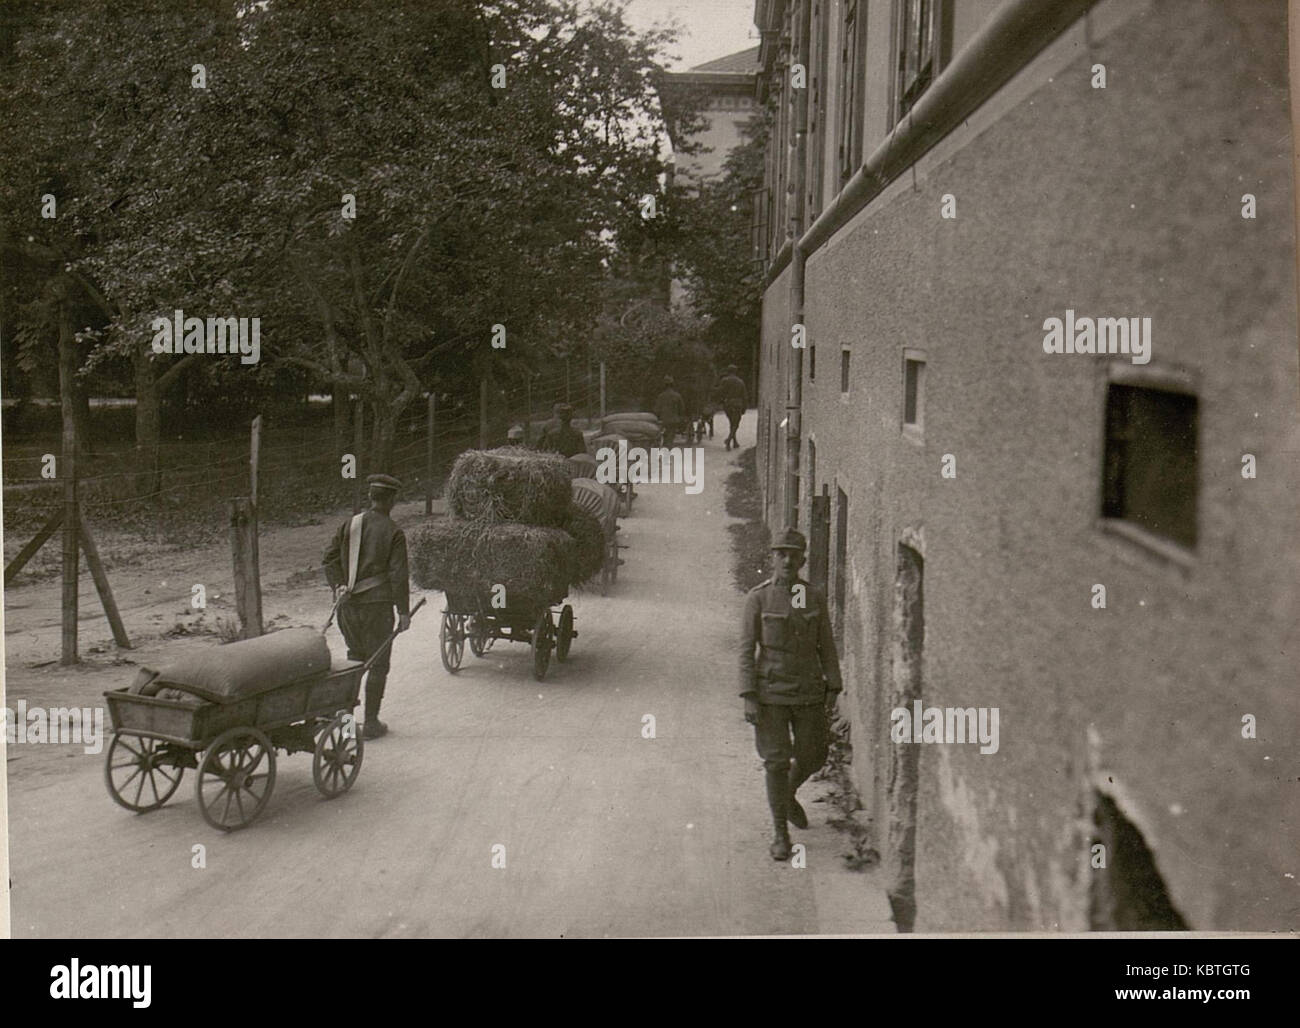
{"points": [[512, 523]]}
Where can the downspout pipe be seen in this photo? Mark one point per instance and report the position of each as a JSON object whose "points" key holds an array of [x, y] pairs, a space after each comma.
{"points": [[798, 177]]}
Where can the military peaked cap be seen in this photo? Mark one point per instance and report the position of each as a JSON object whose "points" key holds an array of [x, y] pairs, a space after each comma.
{"points": [[383, 482], [790, 540]]}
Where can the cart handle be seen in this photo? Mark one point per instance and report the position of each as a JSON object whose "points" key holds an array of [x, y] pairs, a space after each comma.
{"points": [[389, 641]]}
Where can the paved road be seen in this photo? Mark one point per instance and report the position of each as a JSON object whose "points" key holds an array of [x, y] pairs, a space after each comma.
{"points": [[605, 832]]}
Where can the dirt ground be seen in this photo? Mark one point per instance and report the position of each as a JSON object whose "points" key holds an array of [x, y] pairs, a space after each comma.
{"points": [[604, 832]]}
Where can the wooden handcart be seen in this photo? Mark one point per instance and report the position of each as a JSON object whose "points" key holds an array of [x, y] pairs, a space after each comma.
{"points": [[232, 743]]}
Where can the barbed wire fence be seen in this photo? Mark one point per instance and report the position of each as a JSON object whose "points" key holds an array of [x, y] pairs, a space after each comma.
{"points": [[296, 472]]}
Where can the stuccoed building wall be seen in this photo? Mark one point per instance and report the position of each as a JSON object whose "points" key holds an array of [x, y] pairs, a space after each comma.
{"points": [[1116, 202]]}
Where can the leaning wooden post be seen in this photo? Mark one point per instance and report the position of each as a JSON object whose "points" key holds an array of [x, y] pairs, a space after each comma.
{"points": [[102, 587], [428, 471], [248, 586]]}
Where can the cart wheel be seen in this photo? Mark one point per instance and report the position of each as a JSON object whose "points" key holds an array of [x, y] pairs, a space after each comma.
{"points": [[564, 635], [480, 641], [453, 641], [138, 773], [235, 779], [543, 639], [337, 761]]}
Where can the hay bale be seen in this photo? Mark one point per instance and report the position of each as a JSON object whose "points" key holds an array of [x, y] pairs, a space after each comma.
{"points": [[510, 484], [589, 545], [535, 564]]}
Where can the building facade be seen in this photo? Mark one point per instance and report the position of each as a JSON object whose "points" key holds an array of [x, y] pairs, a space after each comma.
{"points": [[1029, 381]]}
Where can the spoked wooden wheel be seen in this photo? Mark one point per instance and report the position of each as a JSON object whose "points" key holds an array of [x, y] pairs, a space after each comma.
{"points": [[543, 640], [139, 773], [564, 634], [337, 760], [453, 641], [480, 639], [236, 777]]}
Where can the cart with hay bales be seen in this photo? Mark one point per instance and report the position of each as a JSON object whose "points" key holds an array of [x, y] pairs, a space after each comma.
{"points": [[602, 503], [506, 557]]}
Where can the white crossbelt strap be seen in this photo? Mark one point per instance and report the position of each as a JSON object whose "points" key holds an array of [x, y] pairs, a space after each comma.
{"points": [[354, 549]]}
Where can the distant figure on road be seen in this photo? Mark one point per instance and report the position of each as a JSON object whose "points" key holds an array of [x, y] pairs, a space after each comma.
{"points": [[792, 685], [733, 399], [366, 566], [670, 409], [562, 438]]}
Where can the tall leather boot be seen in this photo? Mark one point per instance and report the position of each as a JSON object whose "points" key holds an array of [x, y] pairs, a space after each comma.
{"points": [[795, 813], [778, 798], [373, 727]]}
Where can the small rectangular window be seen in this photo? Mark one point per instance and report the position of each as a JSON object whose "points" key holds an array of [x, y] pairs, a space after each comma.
{"points": [[913, 393], [1149, 474], [844, 371], [911, 386]]}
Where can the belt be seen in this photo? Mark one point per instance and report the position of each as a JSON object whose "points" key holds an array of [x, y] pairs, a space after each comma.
{"points": [[366, 584]]}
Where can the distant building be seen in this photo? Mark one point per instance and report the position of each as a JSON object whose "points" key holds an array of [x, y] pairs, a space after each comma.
{"points": [[1101, 547], [729, 84]]}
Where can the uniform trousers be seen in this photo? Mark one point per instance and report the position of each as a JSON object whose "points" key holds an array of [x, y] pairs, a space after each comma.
{"points": [[777, 723], [365, 628]]}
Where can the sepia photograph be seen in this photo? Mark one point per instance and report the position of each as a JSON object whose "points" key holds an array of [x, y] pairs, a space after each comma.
{"points": [[622, 469]]}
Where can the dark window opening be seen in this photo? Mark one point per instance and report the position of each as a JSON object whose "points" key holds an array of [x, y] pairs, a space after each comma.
{"points": [[844, 371], [912, 391], [1150, 464], [924, 29], [852, 74], [841, 557], [1127, 894]]}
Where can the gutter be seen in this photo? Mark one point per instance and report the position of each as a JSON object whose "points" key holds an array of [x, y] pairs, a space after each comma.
{"points": [[1016, 33]]}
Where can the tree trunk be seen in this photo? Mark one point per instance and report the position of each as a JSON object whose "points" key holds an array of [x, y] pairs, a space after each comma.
{"points": [[385, 437], [342, 417], [148, 425]]}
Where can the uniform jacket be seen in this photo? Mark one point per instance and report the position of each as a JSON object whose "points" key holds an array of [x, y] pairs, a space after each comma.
{"points": [[382, 574], [669, 405], [787, 653], [731, 391], [564, 441]]}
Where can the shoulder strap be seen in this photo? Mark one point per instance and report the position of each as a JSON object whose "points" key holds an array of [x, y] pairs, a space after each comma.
{"points": [[354, 548]]}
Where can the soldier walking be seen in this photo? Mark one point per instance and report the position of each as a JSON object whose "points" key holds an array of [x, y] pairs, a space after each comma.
{"points": [[670, 409], [732, 396], [562, 437], [790, 685], [366, 566]]}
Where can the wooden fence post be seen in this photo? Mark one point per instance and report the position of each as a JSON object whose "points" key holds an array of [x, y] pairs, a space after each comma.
{"points": [[248, 585], [68, 647], [483, 412], [428, 471], [254, 451]]}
